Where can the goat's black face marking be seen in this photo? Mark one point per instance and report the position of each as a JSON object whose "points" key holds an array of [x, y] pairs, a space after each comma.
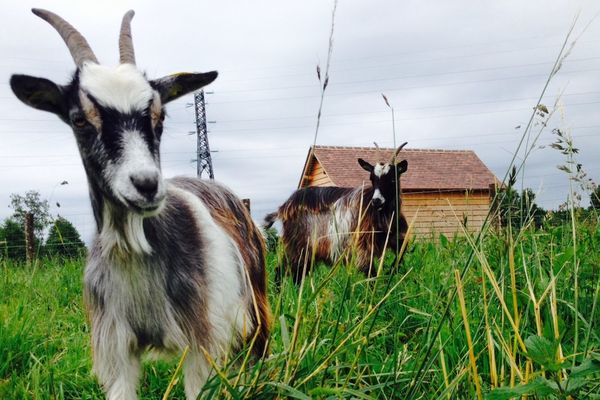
{"points": [[117, 119], [78, 120], [383, 181]]}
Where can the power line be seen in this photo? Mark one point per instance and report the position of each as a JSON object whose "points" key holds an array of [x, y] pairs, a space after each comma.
{"points": [[353, 82], [173, 122], [283, 186], [406, 109], [407, 57], [427, 117], [169, 123], [390, 90], [277, 149], [380, 79], [405, 62]]}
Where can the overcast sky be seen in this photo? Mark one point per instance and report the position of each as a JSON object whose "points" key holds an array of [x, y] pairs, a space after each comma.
{"points": [[460, 74]]}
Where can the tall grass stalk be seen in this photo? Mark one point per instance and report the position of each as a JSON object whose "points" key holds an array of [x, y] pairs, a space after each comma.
{"points": [[463, 309], [175, 376], [325, 81], [488, 335], [443, 365], [397, 188], [425, 359], [575, 261], [591, 322]]}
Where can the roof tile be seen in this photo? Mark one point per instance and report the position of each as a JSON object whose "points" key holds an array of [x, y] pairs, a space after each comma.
{"points": [[427, 169]]}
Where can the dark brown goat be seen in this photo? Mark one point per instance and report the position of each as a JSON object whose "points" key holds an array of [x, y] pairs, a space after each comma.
{"points": [[324, 222]]}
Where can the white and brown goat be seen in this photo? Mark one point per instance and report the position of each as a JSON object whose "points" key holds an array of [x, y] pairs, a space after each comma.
{"points": [[322, 223], [175, 263]]}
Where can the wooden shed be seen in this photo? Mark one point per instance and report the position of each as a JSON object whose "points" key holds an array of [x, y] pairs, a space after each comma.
{"points": [[443, 188]]}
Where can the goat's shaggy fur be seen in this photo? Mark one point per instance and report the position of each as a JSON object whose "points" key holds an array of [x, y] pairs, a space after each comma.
{"points": [[201, 286], [175, 263]]}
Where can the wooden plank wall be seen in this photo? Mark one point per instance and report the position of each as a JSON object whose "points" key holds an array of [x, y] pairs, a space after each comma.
{"points": [[439, 212], [318, 177], [445, 212]]}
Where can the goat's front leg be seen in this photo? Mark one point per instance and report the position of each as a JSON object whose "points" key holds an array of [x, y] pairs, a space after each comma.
{"points": [[196, 370], [116, 364]]}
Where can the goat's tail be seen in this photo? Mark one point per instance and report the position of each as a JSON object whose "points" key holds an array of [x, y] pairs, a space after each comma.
{"points": [[270, 219]]}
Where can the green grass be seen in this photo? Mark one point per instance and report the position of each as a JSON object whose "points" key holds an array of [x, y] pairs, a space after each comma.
{"points": [[343, 336]]}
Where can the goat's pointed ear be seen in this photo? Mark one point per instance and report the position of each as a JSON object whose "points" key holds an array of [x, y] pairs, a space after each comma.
{"points": [[365, 165], [402, 167], [173, 86], [40, 93]]}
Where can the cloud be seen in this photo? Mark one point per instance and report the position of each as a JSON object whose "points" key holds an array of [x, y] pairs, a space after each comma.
{"points": [[459, 74]]}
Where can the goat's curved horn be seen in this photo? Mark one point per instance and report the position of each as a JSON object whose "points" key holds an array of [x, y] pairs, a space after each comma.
{"points": [[397, 151], [126, 53], [76, 43], [378, 151]]}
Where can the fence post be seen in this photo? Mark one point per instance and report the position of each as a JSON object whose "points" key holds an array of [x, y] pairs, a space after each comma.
{"points": [[29, 238]]}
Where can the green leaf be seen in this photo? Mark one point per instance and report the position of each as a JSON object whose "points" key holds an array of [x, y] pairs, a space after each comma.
{"points": [[443, 240], [285, 338], [539, 387], [289, 391], [548, 329], [543, 352], [571, 386], [338, 393], [588, 367], [563, 258]]}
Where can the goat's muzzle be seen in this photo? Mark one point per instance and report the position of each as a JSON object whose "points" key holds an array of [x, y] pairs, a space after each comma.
{"points": [[148, 195]]}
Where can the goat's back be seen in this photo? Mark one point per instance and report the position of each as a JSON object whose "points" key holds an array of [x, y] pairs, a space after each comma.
{"points": [[233, 217], [311, 200]]}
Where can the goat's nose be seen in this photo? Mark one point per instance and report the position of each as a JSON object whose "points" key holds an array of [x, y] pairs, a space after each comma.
{"points": [[146, 183]]}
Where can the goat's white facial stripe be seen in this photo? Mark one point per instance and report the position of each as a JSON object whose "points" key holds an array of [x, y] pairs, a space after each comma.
{"points": [[381, 169], [136, 159], [377, 195], [123, 88]]}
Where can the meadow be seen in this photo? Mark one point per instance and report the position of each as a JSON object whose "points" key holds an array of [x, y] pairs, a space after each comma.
{"points": [[512, 314]]}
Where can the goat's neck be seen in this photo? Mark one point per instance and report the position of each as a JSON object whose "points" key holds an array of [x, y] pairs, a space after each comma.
{"points": [[97, 204], [120, 232]]}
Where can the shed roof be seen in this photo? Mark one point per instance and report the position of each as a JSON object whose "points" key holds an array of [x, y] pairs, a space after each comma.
{"points": [[427, 169]]}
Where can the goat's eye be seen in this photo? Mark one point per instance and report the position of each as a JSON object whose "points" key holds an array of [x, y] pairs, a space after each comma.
{"points": [[78, 119]]}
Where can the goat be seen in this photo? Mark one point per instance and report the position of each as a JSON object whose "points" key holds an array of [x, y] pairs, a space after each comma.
{"points": [[176, 263], [323, 222]]}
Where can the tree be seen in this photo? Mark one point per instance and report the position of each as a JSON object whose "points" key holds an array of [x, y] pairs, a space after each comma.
{"points": [[63, 240], [34, 204], [12, 240], [271, 238], [518, 209]]}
